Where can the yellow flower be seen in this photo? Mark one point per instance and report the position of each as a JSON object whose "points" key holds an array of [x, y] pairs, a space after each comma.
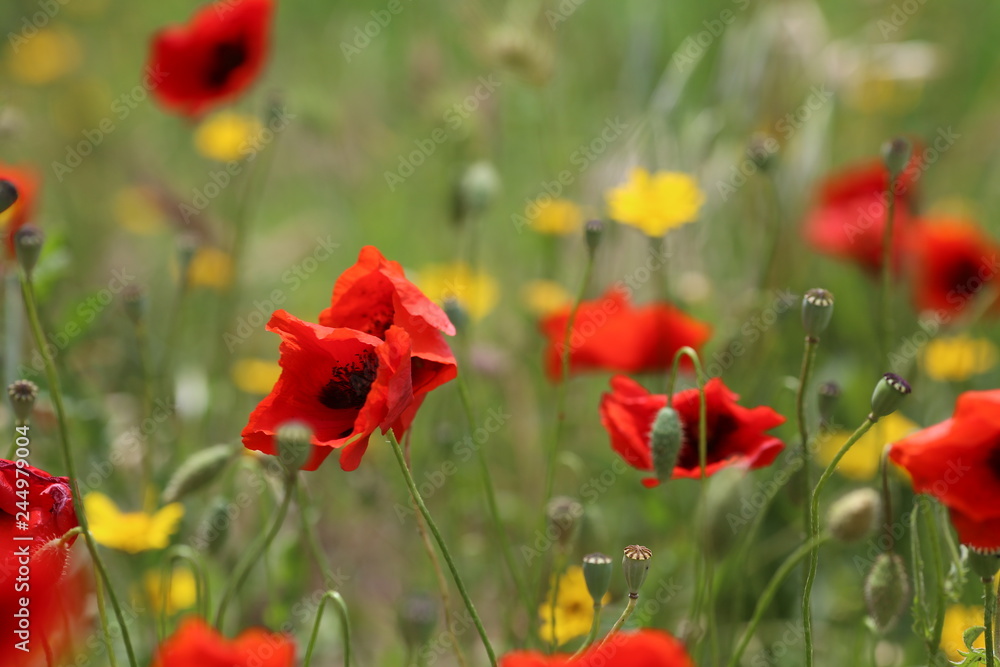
{"points": [[545, 296], [655, 204], [226, 136], [862, 460], [46, 56], [476, 292], [134, 209], [183, 590], [212, 268], [958, 358], [574, 608], [554, 216], [957, 619], [130, 531], [255, 376]]}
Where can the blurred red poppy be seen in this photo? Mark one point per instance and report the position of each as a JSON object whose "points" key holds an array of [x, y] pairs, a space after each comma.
{"points": [[735, 435], [958, 462], [35, 505], [342, 382], [213, 58], [953, 260], [609, 334], [848, 218], [645, 648], [25, 181], [196, 643]]}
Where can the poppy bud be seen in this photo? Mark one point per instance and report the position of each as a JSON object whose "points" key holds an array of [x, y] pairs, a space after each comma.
{"points": [[888, 395], [22, 394], [887, 590], [760, 150], [294, 444], [28, 241], [855, 515], [597, 573], [453, 309], [197, 472], [896, 155], [8, 195], [635, 565], [134, 303], [985, 564], [666, 441], [593, 231], [829, 393], [477, 188], [417, 617], [563, 514], [817, 310]]}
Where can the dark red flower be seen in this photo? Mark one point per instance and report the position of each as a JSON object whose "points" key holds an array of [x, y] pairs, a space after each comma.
{"points": [[36, 569], [213, 58], [958, 462], [25, 181], [645, 648], [609, 334], [196, 643], [342, 382], [849, 215], [953, 260], [735, 434]]}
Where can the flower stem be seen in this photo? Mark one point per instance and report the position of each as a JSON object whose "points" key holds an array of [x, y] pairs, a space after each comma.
{"points": [[595, 626], [415, 493], [185, 553], [989, 614], [102, 612], [633, 599], [814, 533], [30, 306], [886, 297], [808, 357], [345, 626], [932, 527]]}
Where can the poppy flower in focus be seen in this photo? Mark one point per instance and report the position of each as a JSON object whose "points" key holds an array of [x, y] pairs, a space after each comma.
{"points": [[848, 219], [958, 462], [736, 435], [953, 260], [196, 643], [213, 58], [609, 334], [344, 383], [645, 648], [25, 181]]}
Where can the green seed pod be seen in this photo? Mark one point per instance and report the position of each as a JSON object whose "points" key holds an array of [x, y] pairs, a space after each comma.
{"points": [[418, 615], [28, 242], [22, 394], [855, 515], [983, 563], [597, 570], [887, 589], [294, 444], [564, 515], [477, 188], [593, 232], [817, 310], [197, 472], [8, 195], [888, 395], [896, 155], [635, 565], [666, 439]]}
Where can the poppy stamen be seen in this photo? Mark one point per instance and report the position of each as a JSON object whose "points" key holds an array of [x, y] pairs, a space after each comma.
{"points": [[351, 383], [227, 57]]}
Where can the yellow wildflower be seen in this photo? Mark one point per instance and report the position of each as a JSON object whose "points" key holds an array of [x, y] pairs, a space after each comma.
{"points": [[130, 531], [212, 268], [554, 216], [957, 619], [255, 376], [183, 590], [476, 292], [226, 136], [862, 460], [49, 54], [958, 358], [134, 209], [545, 296], [574, 608], [656, 203]]}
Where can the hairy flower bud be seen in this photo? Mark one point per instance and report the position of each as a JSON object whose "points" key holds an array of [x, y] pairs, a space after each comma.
{"points": [[855, 515], [666, 440], [197, 472], [294, 444], [417, 617], [564, 518], [887, 589]]}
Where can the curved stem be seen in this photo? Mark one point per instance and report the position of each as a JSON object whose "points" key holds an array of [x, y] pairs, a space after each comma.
{"points": [[629, 608], [345, 626], [415, 493], [595, 626], [989, 612]]}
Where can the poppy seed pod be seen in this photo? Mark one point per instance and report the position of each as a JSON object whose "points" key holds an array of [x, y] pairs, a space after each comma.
{"points": [[294, 444], [666, 441], [888, 395], [28, 241], [855, 515], [477, 188], [22, 394], [817, 310], [563, 514], [597, 569], [593, 231], [887, 589], [983, 563], [896, 155], [8, 195], [418, 615], [635, 565]]}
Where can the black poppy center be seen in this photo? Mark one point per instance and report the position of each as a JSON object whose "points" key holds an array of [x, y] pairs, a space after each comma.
{"points": [[226, 58], [719, 429], [964, 277], [351, 383]]}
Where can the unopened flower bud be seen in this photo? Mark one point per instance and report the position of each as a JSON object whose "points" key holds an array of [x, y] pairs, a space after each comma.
{"points": [[563, 514], [896, 155], [597, 573], [294, 444], [197, 472], [8, 195], [28, 241], [134, 303], [417, 617], [762, 149], [888, 395], [887, 589], [635, 565], [456, 313], [817, 310], [666, 439], [984, 563], [592, 233], [855, 515], [829, 393], [477, 188], [22, 394]]}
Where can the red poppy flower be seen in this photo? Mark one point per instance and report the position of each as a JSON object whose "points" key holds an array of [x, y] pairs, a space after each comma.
{"points": [[646, 648], [958, 462], [25, 181], [36, 569], [609, 334], [196, 643], [735, 434], [342, 382], [848, 218], [213, 58], [953, 260]]}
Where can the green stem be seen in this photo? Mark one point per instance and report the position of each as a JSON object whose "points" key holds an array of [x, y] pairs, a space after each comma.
{"points": [[989, 614], [415, 493], [772, 589], [255, 552], [28, 293], [595, 626], [887, 500], [560, 563], [814, 532], [886, 298], [808, 357], [312, 540], [202, 599], [629, 608], [146, 369], [102, 612], [933, 527], [345, 626]]}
